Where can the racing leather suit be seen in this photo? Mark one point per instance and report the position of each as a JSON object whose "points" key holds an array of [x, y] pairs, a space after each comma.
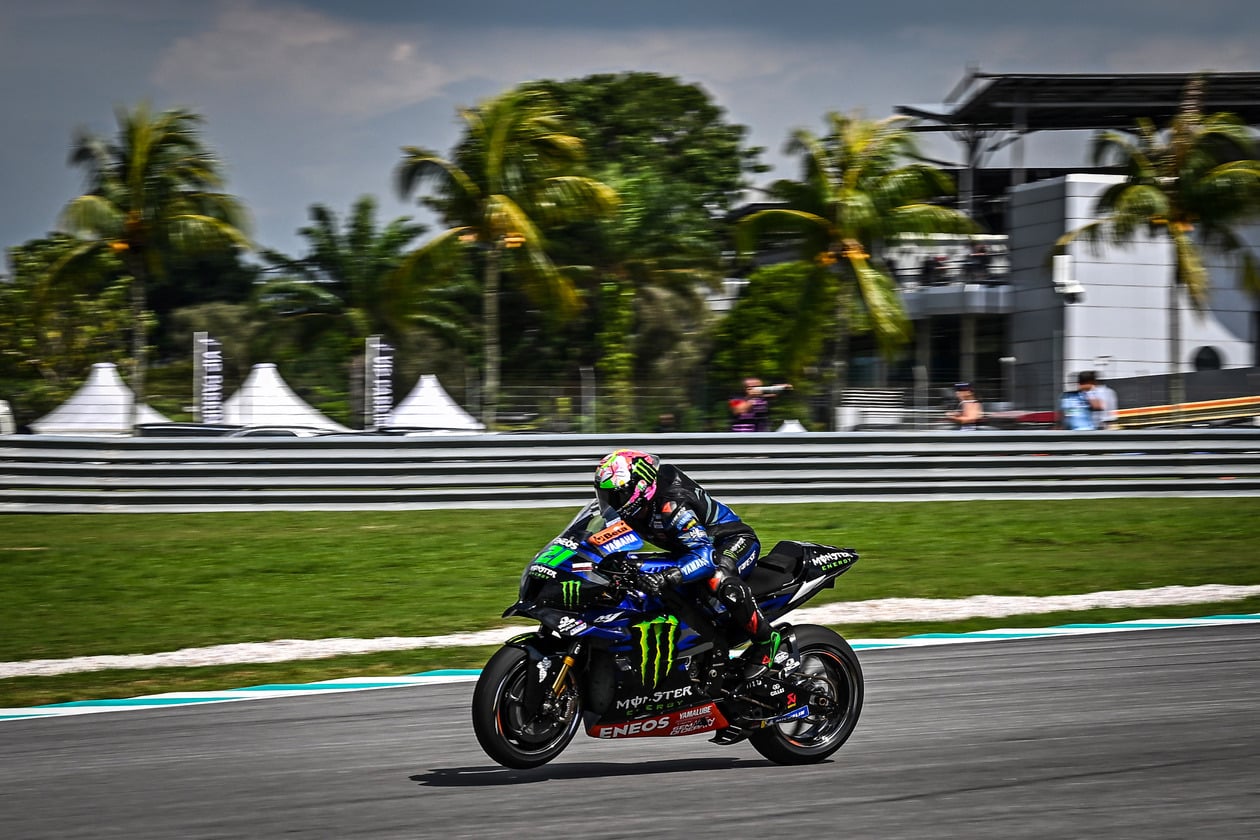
{"points": [[707, 542]]}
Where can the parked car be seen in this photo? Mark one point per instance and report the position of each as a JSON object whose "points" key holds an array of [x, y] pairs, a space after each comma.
{"points": [[280, 431]]}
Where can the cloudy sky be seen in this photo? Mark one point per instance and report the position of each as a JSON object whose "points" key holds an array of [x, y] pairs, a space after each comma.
{"points": [[309, 100]]}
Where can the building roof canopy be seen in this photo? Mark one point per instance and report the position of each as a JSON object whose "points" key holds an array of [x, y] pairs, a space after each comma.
{"points": [[1081, 101]]}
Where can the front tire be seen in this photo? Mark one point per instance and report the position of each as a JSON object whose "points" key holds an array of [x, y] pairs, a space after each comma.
{"points": [[829, 671], [505, 728]]}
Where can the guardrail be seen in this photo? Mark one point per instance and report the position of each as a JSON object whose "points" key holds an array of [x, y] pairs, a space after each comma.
{"points": [[348, 472]]}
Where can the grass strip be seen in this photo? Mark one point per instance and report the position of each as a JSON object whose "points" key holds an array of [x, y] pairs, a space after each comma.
{"points": [[79, 585]]}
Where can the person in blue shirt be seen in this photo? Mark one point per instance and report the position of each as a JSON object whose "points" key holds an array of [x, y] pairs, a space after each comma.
{"points": [[707, 543], [1081, 409]]}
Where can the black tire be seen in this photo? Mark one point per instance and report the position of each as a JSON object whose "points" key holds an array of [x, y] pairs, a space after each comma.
{"points": [[505, 730], [834, 671]]}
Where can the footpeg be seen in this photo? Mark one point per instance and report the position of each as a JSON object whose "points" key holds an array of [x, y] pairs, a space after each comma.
{"points": [[728, 736]]}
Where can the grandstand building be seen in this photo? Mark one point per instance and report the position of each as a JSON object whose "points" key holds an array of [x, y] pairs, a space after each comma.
{"points": [[1021, 324]]}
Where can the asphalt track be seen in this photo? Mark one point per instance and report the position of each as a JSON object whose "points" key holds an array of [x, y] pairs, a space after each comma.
{"points": [[1150, 735]]}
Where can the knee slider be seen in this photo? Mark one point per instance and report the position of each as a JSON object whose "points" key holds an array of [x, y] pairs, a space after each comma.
{"points": [[732, 591]]}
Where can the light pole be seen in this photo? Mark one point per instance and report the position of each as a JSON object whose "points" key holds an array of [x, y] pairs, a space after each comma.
{"points": [[1008, 378]]}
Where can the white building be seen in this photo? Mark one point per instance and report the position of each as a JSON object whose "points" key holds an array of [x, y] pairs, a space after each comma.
{"points": [[1120, 324]]}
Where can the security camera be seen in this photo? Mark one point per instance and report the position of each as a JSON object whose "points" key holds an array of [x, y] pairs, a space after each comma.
{"points": [[1064, 282]]}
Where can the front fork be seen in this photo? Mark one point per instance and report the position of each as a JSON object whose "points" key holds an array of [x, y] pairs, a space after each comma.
{"points": [[542, 695], [566, 664]]}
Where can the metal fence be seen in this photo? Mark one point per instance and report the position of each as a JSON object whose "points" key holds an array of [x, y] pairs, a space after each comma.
{"points": [[361, 472]]}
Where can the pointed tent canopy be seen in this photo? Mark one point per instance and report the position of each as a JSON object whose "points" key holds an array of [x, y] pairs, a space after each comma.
{"points": [[265, 400], [101, 407], [428, 406]]}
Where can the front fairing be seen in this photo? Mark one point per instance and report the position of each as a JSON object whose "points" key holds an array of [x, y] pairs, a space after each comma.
{"points": [[572, 585]]}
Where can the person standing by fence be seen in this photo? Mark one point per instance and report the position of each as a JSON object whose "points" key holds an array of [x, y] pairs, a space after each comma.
{"points": [[752, 410], [969, 411], [1080, 410], [1109, 415]]}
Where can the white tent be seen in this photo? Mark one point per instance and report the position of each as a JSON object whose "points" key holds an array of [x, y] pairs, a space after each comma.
{"points": [[101, 407], [428, 406], [265, 400]]}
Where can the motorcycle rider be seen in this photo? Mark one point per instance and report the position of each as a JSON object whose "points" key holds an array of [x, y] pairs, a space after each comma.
{"points": [[706, 541]]}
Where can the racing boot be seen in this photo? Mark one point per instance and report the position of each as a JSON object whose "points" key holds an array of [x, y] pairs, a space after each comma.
{"points": [[734, 592], [759, 658]]}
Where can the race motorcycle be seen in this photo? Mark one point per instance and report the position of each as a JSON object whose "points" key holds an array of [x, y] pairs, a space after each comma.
{"points": [[615, 660]]}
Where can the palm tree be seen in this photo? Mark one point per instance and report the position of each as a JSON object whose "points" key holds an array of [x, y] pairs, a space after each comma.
{"points": [[352, 274], [152, 194], [517, 175], [862, 182], [1191, 184], [654, 258]]}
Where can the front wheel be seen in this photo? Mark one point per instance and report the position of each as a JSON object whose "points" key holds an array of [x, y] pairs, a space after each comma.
{"points": [[831, 677], [507, 730]]}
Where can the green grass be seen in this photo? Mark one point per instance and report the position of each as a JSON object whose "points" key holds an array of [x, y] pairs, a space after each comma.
{"points": [[144, 583]]}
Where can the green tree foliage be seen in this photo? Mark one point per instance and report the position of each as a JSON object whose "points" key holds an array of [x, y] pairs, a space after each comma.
{"points": [[1191, 184], [349, 280], [239, 327], [350, 285], [51, 335], [516, 172], [661, 128], [777, 328], [678, 166], [153, 194], [861, 183]]}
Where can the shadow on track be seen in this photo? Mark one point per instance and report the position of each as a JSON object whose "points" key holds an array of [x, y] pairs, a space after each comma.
{"points": [[492, 775]]}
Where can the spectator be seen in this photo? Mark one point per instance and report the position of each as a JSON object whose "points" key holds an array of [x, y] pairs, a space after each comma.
{"points": [[666, 423], [752, 410], [969, 411], [927, 271], [1110, 415], [1081, 410], [978, 263]]}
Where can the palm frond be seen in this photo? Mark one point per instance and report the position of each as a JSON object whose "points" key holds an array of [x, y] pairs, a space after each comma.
{"points": [[780, 220], [882, 302], [419, 165], [93, 216], [199, 234], [927, 218]]}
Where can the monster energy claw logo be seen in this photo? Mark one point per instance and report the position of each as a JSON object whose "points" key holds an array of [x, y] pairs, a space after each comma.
{"points": [[644, 469], [656, 640], [570, 590]]}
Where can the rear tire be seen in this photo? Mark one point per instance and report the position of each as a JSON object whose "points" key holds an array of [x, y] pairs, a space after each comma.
{"points": [[831, 670], [506, 730]]}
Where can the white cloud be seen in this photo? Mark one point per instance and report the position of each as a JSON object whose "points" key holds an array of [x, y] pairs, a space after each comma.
{"points": [[287, 59]]}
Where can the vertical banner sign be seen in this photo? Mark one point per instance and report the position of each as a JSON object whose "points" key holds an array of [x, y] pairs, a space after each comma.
{"points": [[208, 378], [379, 377], [212, 381]]}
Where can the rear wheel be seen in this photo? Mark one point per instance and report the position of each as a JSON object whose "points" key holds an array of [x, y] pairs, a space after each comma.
{"points": [[831, 677], [507, 730]]}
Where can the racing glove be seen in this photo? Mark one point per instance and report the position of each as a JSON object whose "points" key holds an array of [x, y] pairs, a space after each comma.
{"points": [[654, 583]]}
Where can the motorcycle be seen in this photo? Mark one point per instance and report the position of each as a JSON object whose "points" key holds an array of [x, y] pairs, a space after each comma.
{"points": [[617, 661]]}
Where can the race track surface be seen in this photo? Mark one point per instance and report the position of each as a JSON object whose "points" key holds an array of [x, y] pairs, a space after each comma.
{"points": [[1129, 735]]}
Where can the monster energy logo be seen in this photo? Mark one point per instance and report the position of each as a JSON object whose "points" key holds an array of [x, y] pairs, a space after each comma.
{"points": [[656, 639], [645, 470], [570, 591]]}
